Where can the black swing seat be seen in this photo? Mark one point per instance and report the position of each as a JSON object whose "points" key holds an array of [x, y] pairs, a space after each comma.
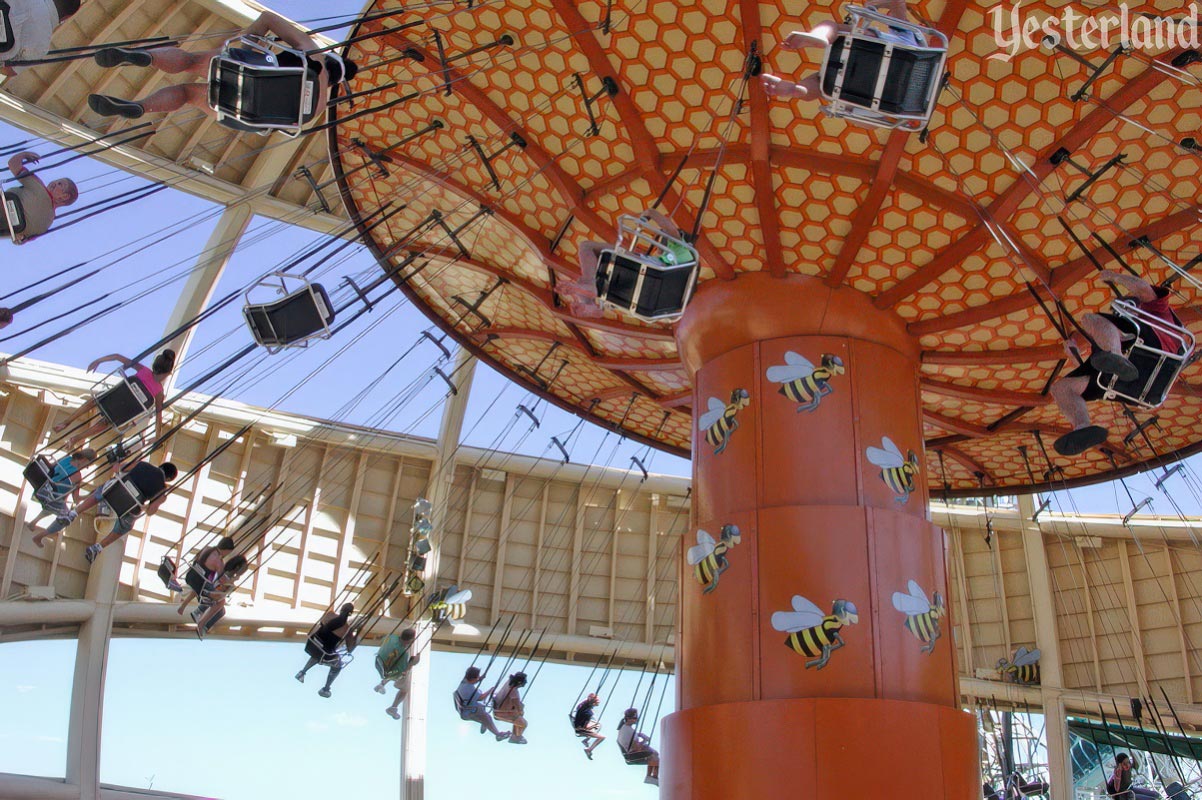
{"points": [[123, 498], [195, 580], [121, 404], [260, 85], [7, 37], [338, 658], [1158, 367], [871, 77], [301, 314], [635, 758], [38, 472], [14, 216], [648, 274], [166, 571]]}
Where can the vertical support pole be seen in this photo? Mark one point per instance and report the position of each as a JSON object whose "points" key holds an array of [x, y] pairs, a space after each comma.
{"points": [[613, 558], [413, 736], [1043, 607], [1093, 630], [1185, 667], [965, 626], [202, 280], [574, 571], [310, 512], [348, 529], [652, 566]]}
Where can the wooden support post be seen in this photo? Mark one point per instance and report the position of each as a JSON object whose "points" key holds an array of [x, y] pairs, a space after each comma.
{"points": [[498, 580], [538, 553], [382, 564], [45, 414], [1186, 672], [282, 474], [965, 624], [613, 556], [574, 572], [996, 551], [348, 528], [467, 527], [1137, 643], [1093, 630], [302, 556]]}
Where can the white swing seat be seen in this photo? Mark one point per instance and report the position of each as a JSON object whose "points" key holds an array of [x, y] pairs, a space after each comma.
{"points": [[871, 77], [1158, 368], [300, 315], [251, 90], [647, 274], [14, 217]]}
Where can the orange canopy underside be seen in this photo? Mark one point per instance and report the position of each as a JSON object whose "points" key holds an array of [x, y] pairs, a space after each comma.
{"points": [[945, 233]]}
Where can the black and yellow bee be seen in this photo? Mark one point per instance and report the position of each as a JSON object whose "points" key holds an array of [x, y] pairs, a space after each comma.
{"points": [[804, 383], [708, 558], [1023, 668], [450, 605], [922, 615], [719, 421], [812, 633], [897, 472]]}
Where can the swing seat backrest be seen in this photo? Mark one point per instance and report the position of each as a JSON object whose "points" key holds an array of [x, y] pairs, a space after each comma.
{"points": [[123, 498], [648, 274], [292, 320], [166, 571], [886, 80], [260, 86], [8, 37], [38, 471], [197, 582], [123, 403], [14, 215], [1158, 367]]}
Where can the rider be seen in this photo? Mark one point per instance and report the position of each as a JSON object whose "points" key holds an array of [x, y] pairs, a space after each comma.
{"points": [[327, 69], [470, 702], [32, 23], [65, 479], [328, 644], [393, 662], [636, 747], [507, 706], [1080, 386], [151, 483], [586, 727], [38, 200], [151, 378]]}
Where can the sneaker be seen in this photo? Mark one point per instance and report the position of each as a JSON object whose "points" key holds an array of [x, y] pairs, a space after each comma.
{"points": [[652, 781], [392, 712], [483, 728], [195, 615], [502, 736], [323, 691], [300, 677], [69, 517], [517, 740], [116, 56], [91, 553], [107, 106], [379, 688]]}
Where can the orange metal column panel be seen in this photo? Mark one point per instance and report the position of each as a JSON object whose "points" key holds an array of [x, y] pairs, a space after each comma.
{"points": [[823, 648]]}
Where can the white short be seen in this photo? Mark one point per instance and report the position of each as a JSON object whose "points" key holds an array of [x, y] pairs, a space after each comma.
{"points": [[32, 22]]}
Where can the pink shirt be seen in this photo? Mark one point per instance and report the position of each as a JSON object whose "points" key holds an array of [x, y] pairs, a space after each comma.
{"points": [[147, 379]]}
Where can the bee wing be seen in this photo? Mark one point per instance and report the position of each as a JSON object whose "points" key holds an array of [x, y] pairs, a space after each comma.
{"points": [[909, 604], [459, 597], [789, 621], [888, 444], [716, 408], [916, 591], [704, 546], [804, 606], [784, 374], [885, 458], [1024, 657]]}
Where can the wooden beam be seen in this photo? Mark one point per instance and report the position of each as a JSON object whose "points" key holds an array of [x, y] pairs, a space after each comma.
{"points": [[390, 523], [965, 626], [1093, 630], [348, 528], [996, 552], [1137, 642], [574, 571], [44, 416], [538, 553], [879, 189], [307, 528], [467, 527], [652, 568], [979, 358], [1183, 643], [498, 575], [978, 395], [615, 528]]}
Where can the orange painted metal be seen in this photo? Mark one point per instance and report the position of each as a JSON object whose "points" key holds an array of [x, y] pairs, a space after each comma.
{"points": [[820, 526]]}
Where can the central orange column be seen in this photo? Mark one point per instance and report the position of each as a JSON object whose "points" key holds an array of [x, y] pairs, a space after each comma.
{"points": [[832, 538]]}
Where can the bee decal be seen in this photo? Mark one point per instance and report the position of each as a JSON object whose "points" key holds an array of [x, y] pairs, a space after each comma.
{"points": [[802, 382], [896, 471], [922, 615], [1022, 669], [708, 558], [719, 421], [813, 633], [450, 605]]}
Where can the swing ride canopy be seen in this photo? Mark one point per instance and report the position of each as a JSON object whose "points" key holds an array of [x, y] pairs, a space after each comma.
{"points": [[957, 233]]}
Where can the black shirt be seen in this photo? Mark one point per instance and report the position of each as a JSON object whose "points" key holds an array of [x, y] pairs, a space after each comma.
{"points": [[148, 479], [584, 715]]}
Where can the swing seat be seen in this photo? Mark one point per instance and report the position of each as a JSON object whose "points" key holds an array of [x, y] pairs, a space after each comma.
{"points": [[38, 472], [648, 274], [123, 498], [8, 37], [166, 571], [195, 580], [122, 404], [340, 658], [301, 314], [1158, 368], [885, 73], [1175, 791], [14, 217], [258, 85]]}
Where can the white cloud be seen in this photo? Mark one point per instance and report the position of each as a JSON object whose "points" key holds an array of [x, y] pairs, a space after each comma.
{"points": [[345, 720], [53, 739], [24, 688]]}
